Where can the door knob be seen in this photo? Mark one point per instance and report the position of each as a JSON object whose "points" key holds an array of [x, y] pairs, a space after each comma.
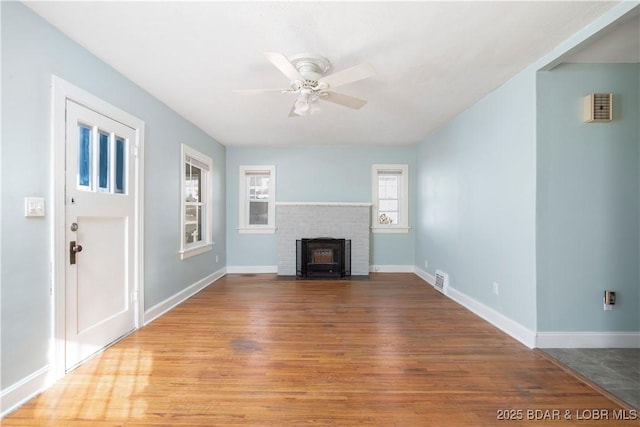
{"points": [[73, 250], [74, 226]]}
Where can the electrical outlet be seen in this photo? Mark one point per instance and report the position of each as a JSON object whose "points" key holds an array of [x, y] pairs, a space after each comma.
{"points": [[496, 288], [216, 258], [426, 264], [609, 300]]}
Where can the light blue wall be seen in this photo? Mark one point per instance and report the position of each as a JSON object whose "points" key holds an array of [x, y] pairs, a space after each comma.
{"points": [[588, 200], [32, 51], [477, 196], [476, 200], [316, 174]]}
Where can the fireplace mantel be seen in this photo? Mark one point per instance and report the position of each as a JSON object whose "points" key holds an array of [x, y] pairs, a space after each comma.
{"points": [[323, 204]]}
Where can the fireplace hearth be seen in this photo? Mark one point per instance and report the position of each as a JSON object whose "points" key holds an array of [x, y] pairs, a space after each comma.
{"points": [[323, 258]]}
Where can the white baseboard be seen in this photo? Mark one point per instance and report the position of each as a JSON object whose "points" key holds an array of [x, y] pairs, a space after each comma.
{"points": [[540, 339], [424, 275], [392, 269], [252, 269], [588, 340], [499, 320], [161, 308], [24, 390]]}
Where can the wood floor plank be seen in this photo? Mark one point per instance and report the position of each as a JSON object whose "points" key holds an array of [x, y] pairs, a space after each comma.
{"points": [[256, 350]]}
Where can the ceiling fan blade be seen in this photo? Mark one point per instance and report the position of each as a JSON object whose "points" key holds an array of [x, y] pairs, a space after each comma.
{"points": [[345, 100], [352, 74], [282, 63], [256, 91]]}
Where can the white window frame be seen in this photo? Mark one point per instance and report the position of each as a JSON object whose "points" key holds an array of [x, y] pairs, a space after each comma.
{"points": [[403, 214], [187, 250], [244, 227]]}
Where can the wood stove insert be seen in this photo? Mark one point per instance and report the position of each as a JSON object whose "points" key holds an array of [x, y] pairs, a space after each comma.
{"points": [[323, 257]]}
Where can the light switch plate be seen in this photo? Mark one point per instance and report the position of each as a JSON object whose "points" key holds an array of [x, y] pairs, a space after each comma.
{"points": [[33, 206]]}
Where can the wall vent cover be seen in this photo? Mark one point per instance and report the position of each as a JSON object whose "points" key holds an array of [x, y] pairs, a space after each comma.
{"points": [[598, 107], [442, 281]]}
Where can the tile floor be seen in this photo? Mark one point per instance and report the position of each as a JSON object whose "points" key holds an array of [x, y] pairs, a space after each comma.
{"points": [[617, 370]]}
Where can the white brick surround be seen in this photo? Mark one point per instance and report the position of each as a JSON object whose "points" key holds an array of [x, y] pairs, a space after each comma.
{"points": [[336, 220]]}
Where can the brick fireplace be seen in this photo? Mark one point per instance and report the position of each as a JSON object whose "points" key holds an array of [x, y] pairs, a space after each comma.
{"points": [[296, 221]]}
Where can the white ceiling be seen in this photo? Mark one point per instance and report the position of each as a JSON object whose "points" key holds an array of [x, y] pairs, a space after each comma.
{"points": [[619, 43], [433, 59]]}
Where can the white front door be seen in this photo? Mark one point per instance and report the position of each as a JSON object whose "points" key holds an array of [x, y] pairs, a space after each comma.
{"points": [[100, 232]]}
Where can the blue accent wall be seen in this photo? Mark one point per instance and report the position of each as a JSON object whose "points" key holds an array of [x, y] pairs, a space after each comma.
{"points": [[588, 205], [476, 201], [480, 201], [316, 174], [32, 50]]}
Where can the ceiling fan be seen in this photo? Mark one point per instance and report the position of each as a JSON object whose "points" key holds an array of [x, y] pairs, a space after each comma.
{"points": [[307, 80]]}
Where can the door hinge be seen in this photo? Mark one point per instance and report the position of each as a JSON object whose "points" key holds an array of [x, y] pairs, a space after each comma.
{"points": [[134, 297], [134, 150]]}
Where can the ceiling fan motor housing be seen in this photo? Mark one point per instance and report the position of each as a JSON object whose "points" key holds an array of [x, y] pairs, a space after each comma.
{"points": [[311, 67]]}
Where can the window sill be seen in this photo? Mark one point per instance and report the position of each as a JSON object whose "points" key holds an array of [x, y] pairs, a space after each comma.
{"points": [[390, 230], [188, 253], [256, 230]]}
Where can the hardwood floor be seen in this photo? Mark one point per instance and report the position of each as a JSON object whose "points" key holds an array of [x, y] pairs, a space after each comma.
{"points": [[252, 350]]}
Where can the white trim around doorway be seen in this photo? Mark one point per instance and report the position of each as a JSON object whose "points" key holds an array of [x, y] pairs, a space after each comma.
{"points": [[61, 91]]}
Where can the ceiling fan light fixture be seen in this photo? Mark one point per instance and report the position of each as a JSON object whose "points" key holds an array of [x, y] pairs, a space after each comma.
{"points": [[301, 107], [313, 108], [305, 104]]}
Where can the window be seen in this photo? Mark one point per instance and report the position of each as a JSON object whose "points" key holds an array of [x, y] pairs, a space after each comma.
{"points": [[257, 199], [196, 211], [101, 160], [390, 184]]}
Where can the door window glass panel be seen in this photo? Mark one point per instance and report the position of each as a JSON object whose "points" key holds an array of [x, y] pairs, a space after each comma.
{"points": [[103, 161], [120, 165], [84, 156]]}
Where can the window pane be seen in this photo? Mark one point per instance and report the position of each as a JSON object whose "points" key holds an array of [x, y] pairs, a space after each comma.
{"points": [[103, 161], [388, 186], [258, 187], [388, 205], [258, 213], [84, 156], [193, 183], [193, 224], [120, 165], [388, 217]]}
